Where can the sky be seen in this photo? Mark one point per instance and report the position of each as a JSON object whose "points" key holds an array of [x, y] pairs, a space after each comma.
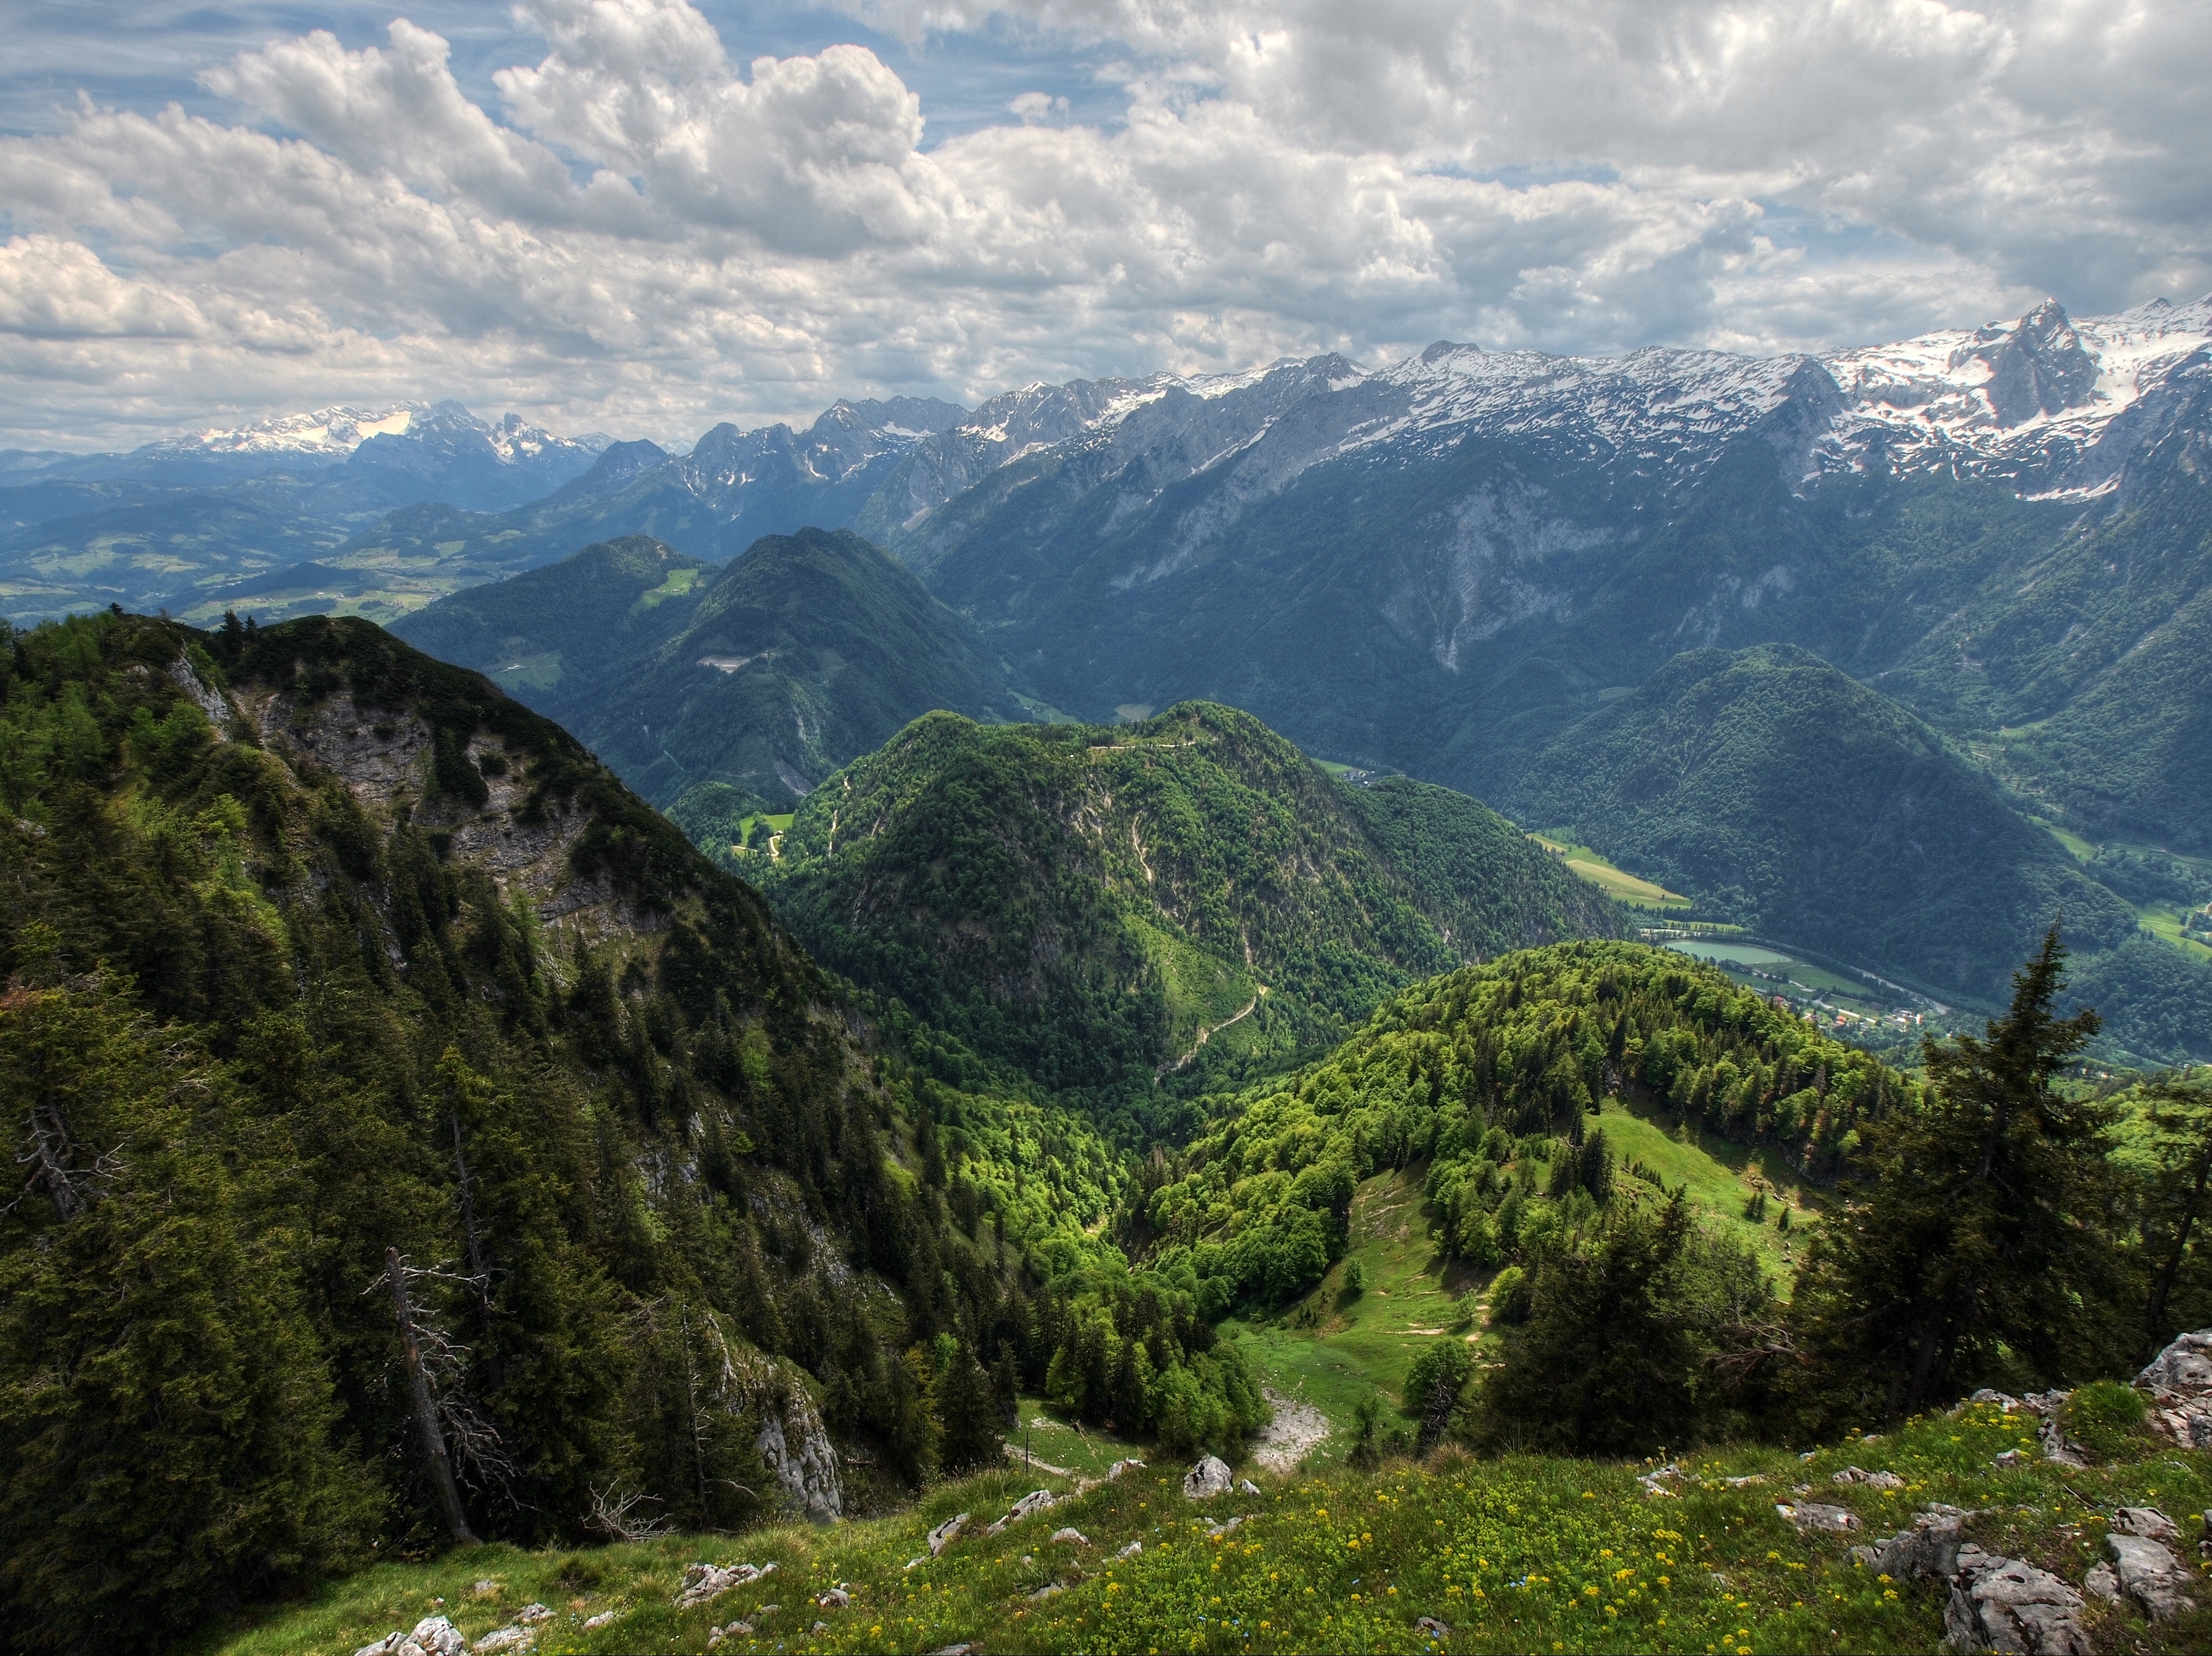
{"points": [[644, 216]]}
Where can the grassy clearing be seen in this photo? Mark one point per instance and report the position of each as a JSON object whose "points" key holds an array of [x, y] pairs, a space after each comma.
{"points": [[539, 672], [1589, 865], [1517, 1555], [1069, 1445], [2080, 849], [1722, 1177], [679, 583], [1042, 712], [1333, 1347], [2163, 922]]}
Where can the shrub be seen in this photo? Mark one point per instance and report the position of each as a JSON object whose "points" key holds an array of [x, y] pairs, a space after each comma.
{"points": [[1509, 1295], [2106, 1417]]}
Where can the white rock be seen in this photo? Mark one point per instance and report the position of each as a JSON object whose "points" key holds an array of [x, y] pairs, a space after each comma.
{"points": [[835, 1598], [1121, 1466], [2006, 1605], [1429, 1627], [1246, 1486], [2146, 1521], [506, 1638], [947, 1533], [704, 1581], [2184, 1366], [1036, 1500], [1985, 1395], [1811, 1516], [605, 1618], [383, 1647], [1074, 1537], [530, 1615], [1131, 1550], [1210, 1478], [1872, 1480], [2151, 1575], [2102, 1580], [1927, 1550], [434, 1636]]}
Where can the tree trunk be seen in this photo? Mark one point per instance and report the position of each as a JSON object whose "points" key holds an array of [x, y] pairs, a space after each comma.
{"points": [[426, 1415], [2166, 1272]]}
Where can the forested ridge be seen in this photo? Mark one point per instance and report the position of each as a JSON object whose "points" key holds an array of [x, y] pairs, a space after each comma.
{"points": [[1097, 904], [359, 1025]]}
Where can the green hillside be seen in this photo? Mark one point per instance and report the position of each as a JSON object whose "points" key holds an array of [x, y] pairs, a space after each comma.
{"points": [[1098, 905], [1784, 795], [798, 656], [2080, 663], [1469, 1078], [535, 634], [315, 949]]}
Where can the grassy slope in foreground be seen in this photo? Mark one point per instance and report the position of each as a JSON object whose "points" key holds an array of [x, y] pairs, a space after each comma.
{"points": [[1517, 1555]]}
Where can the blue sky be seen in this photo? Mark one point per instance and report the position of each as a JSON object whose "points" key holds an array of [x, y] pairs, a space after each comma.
{"points": [[607, 213]]}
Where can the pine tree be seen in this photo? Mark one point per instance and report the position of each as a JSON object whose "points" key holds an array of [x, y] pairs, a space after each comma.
{"points": [[166, 1409], [968, 1416], [1983, 1231]]}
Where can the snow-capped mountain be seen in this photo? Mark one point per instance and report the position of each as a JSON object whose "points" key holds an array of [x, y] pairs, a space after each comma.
{"points": [[335, 434], [2028, 401]]}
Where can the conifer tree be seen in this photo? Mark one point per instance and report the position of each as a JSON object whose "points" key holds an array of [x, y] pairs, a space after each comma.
{"points": [[165, 1409], [968, 1416], [1982, 1233]]}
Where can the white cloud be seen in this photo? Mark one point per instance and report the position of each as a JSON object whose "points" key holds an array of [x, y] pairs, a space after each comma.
{"points": [[644, 235]]}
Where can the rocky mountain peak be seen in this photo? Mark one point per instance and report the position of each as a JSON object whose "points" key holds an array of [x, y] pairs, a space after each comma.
{"points": [[2041, 366]]}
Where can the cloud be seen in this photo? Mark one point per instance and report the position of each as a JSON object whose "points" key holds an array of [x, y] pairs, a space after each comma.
{"points": [[636, 230]]}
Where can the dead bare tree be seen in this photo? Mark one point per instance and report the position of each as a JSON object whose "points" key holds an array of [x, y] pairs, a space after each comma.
{"points": [[448, 1428], [614, 1514], [52, 1155]]}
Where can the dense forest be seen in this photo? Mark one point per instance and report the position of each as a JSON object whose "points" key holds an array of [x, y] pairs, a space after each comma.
{"points": [[1096, 903], [419, 1139]]}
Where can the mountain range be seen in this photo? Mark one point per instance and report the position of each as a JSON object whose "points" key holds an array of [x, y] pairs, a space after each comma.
{"points": [[1442, 568]]}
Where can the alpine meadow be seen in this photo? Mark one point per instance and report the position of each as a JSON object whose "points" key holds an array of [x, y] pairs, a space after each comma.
{"points": [[991, 829]]}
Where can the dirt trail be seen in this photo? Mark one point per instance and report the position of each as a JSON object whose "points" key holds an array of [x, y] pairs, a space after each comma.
{"points": [[1297, 1431], [1206, 1034]]}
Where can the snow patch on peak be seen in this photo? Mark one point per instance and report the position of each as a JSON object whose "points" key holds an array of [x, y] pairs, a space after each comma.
{"points": [[329, 433]]}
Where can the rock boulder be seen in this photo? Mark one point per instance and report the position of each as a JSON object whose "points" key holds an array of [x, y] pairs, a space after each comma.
{"points": [[2008, 1605], [1210, 1478]]}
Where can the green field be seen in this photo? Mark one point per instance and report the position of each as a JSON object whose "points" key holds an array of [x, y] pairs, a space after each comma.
{"points": [[1614, 882], [758, 835], [678, 584], [1332, 1348], [539, 671], [1042, 712], [2164, 922]]}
